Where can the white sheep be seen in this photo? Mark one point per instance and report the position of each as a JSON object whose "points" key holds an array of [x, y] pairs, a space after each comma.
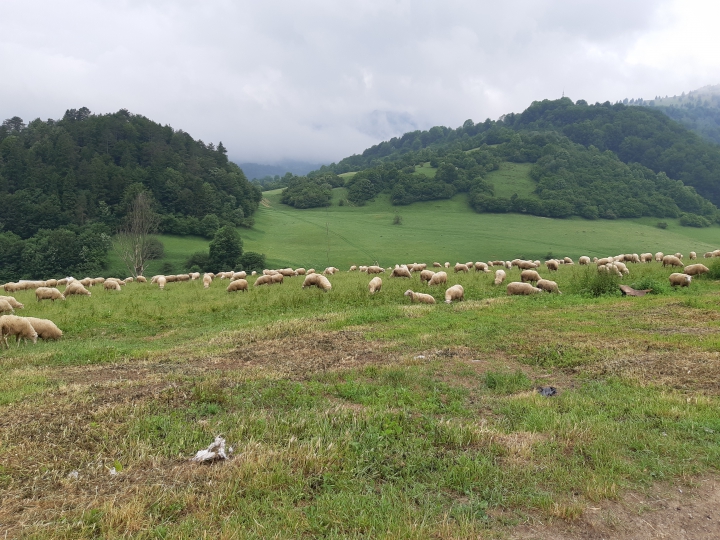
{"points": [[426, 276], [646, 257], [45, 328], [75, 288], [161, 281], [375, 269], [12, 325], [5, 307], [456, 292], [421, 298], [447, 264], [437, 265], [112, 285], [481, 267], [437, 279], [568, 260], [375, 285], [529, 275], [519, 288], [48, 293], [459, 267], [141, 279], [679, 256], [401, 272], [499, 276], [659, 256], [548, 285], [671, 260], [552, 265], [13, 302], [263, 280], [693, 255], [239, 275], [695, 269], [584, 260], [683, 280], [238, 285], [317, 280], [207, 280]]}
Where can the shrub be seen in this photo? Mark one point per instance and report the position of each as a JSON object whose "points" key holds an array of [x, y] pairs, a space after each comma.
{"points": [[590, 282], [397, 220], [714, 268], [661, 225], [693, 220], [252, 261], [658, 287]]}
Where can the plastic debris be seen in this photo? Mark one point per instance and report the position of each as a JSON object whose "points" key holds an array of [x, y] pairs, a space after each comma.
{"points": [[547, 391], [74, 475], [214, 452]]}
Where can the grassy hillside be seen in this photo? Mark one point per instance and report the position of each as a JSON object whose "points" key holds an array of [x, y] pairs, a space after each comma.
{"points": [[449, 231]]}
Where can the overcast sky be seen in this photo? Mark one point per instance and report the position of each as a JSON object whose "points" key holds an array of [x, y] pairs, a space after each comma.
{"points": [[320, 80]]}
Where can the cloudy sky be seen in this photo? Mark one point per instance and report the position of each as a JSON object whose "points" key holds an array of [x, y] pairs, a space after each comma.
{"points": [[322, 79]]}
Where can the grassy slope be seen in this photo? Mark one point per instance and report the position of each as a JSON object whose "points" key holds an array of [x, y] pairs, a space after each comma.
{"points": [[448, 231], [512, 178]]}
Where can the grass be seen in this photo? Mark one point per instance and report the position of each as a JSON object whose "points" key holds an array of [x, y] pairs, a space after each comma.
{"points": [[512, 178], [353, 415]]}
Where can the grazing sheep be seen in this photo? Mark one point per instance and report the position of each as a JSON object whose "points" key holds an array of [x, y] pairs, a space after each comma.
{"points": [[447, 264], [286, 272], [527, 265], [263, 280], [86, 282], [461, 268], [238, 285], [193, 276], [568, 260], [693, 255], [183, 277], [12, 301], [517, 288], [499, 276], [207, 280], [426, 275], [48, 293], [401, 272], [375, 269], [317, 280], [497, 263], [481, 267], [12, 325], [353, 268], [161, 281], [6, 307], [646, 257], [375, 285], [277, 278], [75, 288], [330, 270], [696, 269], [141, 279], [708, 254], [437, 279], [456, 292], [128, 280], [623, 269], [679, 256], [112, 285], [659, 256], [671, 260], [300, 271], [417, 267], [716, 253], [549, 286], [311, 271], [683, 280], [421, 298], [552, 265], [46, 329], [584, 260], [529, 275], [238, 275], [437, 265]]}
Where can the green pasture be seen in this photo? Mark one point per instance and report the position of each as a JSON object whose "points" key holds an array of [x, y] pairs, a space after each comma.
{"points": [[354, 415]]}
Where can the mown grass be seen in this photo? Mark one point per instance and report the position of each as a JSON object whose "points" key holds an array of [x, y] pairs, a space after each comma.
{"points": [[434, 429]]}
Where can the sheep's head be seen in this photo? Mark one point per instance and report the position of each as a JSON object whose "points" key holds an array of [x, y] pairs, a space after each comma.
{"points": [[408, 293]]}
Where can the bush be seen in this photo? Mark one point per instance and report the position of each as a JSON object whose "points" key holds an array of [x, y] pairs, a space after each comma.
{"points": [[199, 260], [250, 261], [397, 220], [693, 220], [714, 268], [590, 282], [661, 225], [225, 249], [658, 287]]}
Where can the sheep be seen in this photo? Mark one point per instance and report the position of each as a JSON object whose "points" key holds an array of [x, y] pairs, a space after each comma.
{"points": [[5, 306], [183, 277], [708, 254], [456, 292], [238, 285], [517, 288], [207, 280], [497, 263], [716, 253], [527, 265], [161, 281], [646, 257], [584, 260], [263, 280], [679, 256], [447, 264], [171, 278], [86, 282], [437, 265], [417, 267], [51, 282], [683, 280], [238, 275], [549, 286], [277, 278], [623, 269], [141, 279], [48, 293], [375, 285], [98, 280], [659, 256], [568, 260], [46, 329], [426, 276], [317, 280], [375, 269], [499, 276], [353, 268], [401, 272], [696, 269], [128, 280], [286, 272], [112, 285], [481, 267], [194, 276], [310, 271], [422, 298], [461, 268], [529, 275], [13, 302], [300, 271], [671, 260], [437, 279], [330, 270], [12, 325], [75, 288], [552, 265]]}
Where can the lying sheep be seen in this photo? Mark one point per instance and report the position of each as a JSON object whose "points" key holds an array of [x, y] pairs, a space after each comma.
{"points": [[12, 325], [499, 276], [683, 280], [426, 276], [529, 275], [375, 285], [238, 285], [696, 269], [518, 288], [437, 279], [5, 307], [48, 293], [549, 286], [459, 267], [456, 292], [401, 272], [75, 288], [317, 280], [420, 298], [46, 329], [671, 260], [13, 302]]}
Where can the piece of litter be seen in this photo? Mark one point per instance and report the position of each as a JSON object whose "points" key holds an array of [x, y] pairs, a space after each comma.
{"points": [[74, 475], [420, 357], [547, 391], [214, 452], [113, 472]]}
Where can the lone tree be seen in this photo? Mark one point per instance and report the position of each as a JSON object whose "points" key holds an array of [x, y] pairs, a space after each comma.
{"points": [[134, 243], [225, 249]]}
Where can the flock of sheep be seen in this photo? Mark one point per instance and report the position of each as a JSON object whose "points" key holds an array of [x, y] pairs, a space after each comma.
{"points": [[31, 328]]}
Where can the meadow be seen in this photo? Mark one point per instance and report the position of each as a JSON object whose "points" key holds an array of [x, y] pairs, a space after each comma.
{"points": [[353, 415]]}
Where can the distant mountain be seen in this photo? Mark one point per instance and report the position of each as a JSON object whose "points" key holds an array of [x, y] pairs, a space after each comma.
{"points": [[257, 171]]}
